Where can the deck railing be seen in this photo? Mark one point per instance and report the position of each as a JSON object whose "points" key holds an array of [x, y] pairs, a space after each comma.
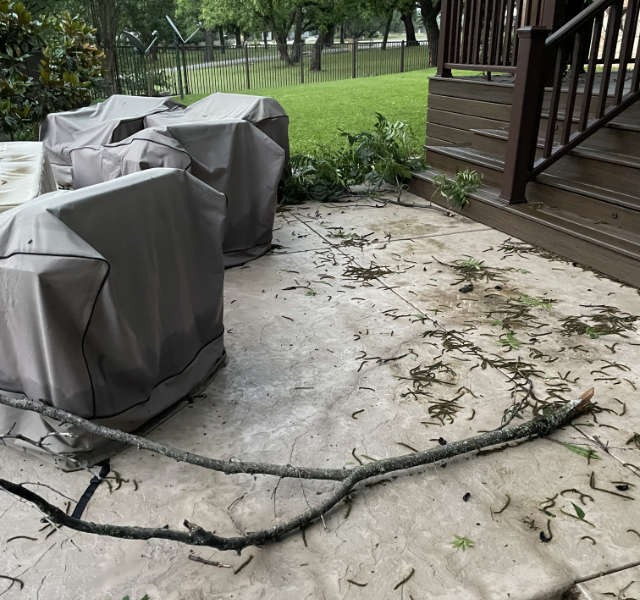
{"points": [[480, 35], [585, 92]]}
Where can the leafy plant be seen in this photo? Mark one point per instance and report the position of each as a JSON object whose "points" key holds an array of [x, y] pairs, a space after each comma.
{"points": [[375, 158], [45, 66], [456, 191], [532, 301], [462, 543], [509, 340]]}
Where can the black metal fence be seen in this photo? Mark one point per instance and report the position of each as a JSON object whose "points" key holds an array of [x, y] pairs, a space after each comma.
{"points": [[208, 69]]}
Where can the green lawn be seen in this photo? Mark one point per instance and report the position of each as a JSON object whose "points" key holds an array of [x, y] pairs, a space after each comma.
{"points": [[318, 110]]}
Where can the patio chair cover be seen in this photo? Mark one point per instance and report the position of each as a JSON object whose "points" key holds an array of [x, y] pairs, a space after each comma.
{"points": [[110, 121], [143, 150], [111, 303], [232, 156], [265, 113], [25, 173]]}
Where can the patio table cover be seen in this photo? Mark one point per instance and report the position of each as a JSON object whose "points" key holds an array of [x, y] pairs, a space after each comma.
{"points": [[110, 121], [232, 156], [111, 301], [24, 173], [265, 113]]}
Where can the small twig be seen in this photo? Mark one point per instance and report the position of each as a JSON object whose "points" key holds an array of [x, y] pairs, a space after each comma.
{"points": [[405, 579], [242, 565], [204, 561]]}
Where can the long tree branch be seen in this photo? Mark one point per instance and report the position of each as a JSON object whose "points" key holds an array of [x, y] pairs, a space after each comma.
{"points": [[230, 467], [196, 535]]}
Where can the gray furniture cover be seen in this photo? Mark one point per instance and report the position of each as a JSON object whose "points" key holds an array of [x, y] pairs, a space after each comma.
{"points": [[24, 173], [111, 303], [110, 121], [232, 156], [143, 150], [265, 113]]}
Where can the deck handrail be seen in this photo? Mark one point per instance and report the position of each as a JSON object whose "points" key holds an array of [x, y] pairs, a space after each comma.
{"points": [[580, 41]]}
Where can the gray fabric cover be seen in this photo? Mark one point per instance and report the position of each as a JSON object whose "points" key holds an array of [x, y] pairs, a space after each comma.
{"points": [[232, 156], [265, 113], [111, 302], [110, 121], [143, 150], [25, 173]]}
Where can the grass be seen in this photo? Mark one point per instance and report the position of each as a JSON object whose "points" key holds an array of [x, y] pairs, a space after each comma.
{"points": [[318, 110]]}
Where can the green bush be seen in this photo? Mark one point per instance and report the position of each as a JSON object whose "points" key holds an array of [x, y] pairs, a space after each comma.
{"points": [[375, 158], [46, 65]]}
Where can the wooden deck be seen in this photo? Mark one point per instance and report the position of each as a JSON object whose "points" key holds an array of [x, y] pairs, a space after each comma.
{"points": [[585, 207]]}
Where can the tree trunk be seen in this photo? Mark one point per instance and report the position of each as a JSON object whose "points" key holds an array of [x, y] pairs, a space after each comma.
{"points": [[265, 40], [208, 45], [316, 56], [430, 13], [104, 15], [297, 37], [221, 35], [342, 36], [387, 27], [238, 37], [331, 34], [407, 19], [283, 47]]}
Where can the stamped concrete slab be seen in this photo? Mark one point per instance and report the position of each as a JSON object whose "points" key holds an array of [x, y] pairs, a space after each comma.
{"points": [[332, 363]]}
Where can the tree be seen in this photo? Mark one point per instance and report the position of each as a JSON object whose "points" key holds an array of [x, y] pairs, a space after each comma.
{"points": [[407, 9], [430, 9], [234, 16], [278, 16], [104, 16]]}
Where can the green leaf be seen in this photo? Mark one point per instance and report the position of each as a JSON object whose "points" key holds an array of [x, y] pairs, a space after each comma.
{"points": [[579, 511], [588, 453], [462, 543]]}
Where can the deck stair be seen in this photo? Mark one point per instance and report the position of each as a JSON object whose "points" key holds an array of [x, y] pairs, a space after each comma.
{"points": [[585, 206]]}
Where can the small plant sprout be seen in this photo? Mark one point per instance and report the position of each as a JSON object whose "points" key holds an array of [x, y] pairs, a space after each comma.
{"points": [[462, 543], [509, 340], [456, 191], [534, 302]]}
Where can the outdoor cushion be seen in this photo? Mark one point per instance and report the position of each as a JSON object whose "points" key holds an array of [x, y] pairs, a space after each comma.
{"points": [[232, 156], [24, 173], [265, 113], [111, 301], [110, 121]]}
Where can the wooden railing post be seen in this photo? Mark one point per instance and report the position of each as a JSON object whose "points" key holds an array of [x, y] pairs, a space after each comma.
{"points": [[528, 93], [549, 16], [443, 41]]}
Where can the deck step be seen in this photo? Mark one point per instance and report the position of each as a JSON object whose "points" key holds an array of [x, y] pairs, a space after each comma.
{"points": [[614, 174], [569, 234]]}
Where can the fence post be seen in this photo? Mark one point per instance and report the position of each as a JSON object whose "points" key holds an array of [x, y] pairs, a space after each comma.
{"points": [[179, 71], [184, 67], [402, 56], [354, 52], [443, 41], [246, 65], [301, 54], [528, 93]]}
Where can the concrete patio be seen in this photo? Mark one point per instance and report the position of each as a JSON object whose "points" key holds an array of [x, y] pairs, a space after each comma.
{"points": [[352, 341]]}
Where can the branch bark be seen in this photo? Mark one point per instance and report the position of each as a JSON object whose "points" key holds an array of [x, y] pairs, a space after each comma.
{"points": [[196, 535]]}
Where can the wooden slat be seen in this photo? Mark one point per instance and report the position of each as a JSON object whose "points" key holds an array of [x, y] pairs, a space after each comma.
{"points": [[555, 101], [591, 71], [508, 46], [484, 49], [613, 25], [477, 32], [630, 25], [573, 87]]}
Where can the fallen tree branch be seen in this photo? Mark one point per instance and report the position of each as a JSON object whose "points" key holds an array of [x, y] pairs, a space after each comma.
{"points": [[230, 467], [196, 535]]}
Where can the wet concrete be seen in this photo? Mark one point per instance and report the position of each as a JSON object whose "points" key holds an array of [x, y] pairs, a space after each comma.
{"points": [[329, 365]]}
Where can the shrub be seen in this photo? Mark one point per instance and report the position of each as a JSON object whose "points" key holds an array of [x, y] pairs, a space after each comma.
{"points": [[45, 65]]}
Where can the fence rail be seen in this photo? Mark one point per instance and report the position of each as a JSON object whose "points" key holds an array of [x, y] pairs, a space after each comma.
{"points": [[208, 69]]}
